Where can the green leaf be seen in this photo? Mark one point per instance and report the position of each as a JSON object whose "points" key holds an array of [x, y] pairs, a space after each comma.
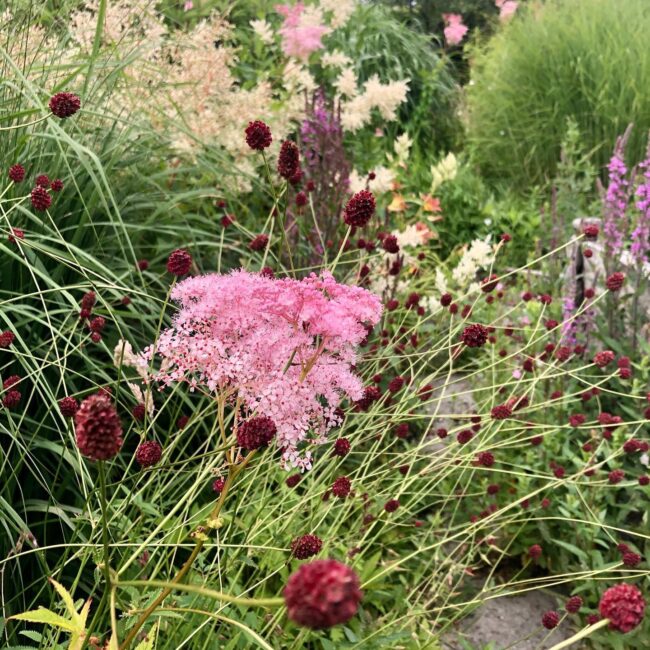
{"points": [[578, 552], [46, 616], [69, 603]]}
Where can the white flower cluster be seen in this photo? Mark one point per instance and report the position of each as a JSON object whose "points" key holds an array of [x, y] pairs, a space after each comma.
{"points": [[479, 255], [380, 184]]}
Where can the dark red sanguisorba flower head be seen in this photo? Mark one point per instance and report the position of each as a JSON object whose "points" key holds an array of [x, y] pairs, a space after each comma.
{"points": [[41, 199], [550, 620], [16, 173], [359, 209], [590, 231], [56, 185], [341, 487], [573, 604], [623, 605], [259, 243], [64, 104], [306, 546], [6, 339], [322, 593], [258, 135], [148, 453], [474, 336], [389, 244], [289, 159], [341, 447], [42, 180], [615, 281], [98, 428], [501, 412], [255, 433], [179, 262], [535, 551], [603, 358], [68, 407], [391, 505]]}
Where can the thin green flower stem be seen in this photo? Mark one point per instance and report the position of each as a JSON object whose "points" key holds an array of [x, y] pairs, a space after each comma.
{"points": [[174, 584], [202, 591], [341, 247], [20, 126], [276, 204], [583, 634]]}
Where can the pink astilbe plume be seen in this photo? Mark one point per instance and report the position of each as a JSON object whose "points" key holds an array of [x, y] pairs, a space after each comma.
{"points": [[284, 347], [299, 38], [455, 30]]}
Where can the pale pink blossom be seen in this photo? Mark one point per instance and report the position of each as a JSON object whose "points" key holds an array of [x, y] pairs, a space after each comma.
{"points": [[284, 348], [299, 39], [188, 5], [455, 30], [507, 8]]}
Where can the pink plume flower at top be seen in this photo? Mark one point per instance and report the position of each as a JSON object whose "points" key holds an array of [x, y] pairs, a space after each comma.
{"points": [[455, 30], [507, 8], [285, 347], [298, 39]]}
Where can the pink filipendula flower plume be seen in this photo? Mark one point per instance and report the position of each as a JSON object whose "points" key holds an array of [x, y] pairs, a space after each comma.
{"points": [[286, 348], [623, 605], [98, 428], [507, 8], [322, 593], [299, 38], [455, 30], [64, 104]]}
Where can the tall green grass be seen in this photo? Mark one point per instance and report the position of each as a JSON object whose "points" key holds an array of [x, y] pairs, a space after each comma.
{"points": [[584, 60]]}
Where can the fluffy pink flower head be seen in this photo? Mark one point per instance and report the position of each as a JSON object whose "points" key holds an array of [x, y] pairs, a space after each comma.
{"points": [[455, 30], [285, 347], [507, 8], [299, 38]]}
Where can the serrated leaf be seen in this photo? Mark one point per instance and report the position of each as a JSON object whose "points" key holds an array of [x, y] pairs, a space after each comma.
{"points": [[69, 603], [46, 616]]}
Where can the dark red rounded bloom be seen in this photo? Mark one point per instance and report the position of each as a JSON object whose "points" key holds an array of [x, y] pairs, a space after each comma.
{"points": [[341, 487], [341, 447], [148, 453], [359, 209], [464, 436], [535, 551], [395, 384], [591, 231], [255, 433], [616, 476], [391, 505], [644, 480], [573, 605], [179, 262], [259, 243], [138, 412], [258, 135], [485, 459], [322, 593], [56, 185], [218, 485], [98, 428], [12, 399], [17, 173], [301, 199], [474, 336], [97, 324], [603, 358], [41, 200], [592, 619], [623, 605], [293, 480], [501, 412], [142, 265], [88, 300], [6, 339], [68, 407], [64, 104], [631, 559], [550, 620], [10, 381], [389, 244], [577, 419], [615, 281], [445, 299], [289, 159], [42, 180], [306, 546]]}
